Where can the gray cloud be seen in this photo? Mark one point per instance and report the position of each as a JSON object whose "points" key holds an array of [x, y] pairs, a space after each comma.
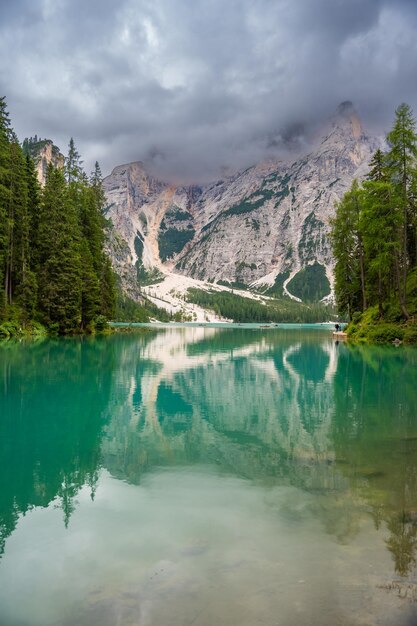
{"points": [[194, 87]]}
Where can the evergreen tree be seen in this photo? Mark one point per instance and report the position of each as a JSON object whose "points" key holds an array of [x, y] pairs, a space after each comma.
{"points": [[96, 182], [108, 290], [348, 249], [34, 191], [59, 255], [73, 164], [92, 225], [52, 261], [4, 196], [379, 227], [401, 160], [90, 290], [17, 258], [374, 232]]}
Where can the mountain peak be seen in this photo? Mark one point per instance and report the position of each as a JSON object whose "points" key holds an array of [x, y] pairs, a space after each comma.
{"points": [[346, 108], [346, 115]]}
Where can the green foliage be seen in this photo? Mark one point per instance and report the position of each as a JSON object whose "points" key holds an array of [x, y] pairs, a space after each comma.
{"points": [[410, 335], [31, 146], [310, 284], [148, 277], [175, 213], [385, 333], [368, 327], [249, 204], [14, 329], [241, 309], [100, 323], [374, 237], [277, 288], [348, 250], [144, 276], [233, 285], [52, 262], [313, 238], [172, 240], [128, 310], [9, 329]]}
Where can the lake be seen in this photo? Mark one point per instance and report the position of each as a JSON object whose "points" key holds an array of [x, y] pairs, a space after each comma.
{"points": [[208, 476]]}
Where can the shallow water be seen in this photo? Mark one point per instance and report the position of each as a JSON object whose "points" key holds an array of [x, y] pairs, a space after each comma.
{"points": [[208, 476]]}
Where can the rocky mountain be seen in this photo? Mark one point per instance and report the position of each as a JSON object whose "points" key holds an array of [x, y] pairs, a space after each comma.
{"points": [[43, 152], [265, 228]]}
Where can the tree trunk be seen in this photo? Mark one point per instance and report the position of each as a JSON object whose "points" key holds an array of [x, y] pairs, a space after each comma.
{"points": [[401, 297], [380, 309], [362, 266]]}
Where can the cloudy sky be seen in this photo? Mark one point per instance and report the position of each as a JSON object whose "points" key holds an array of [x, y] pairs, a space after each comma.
{"points": [[194, 86]]}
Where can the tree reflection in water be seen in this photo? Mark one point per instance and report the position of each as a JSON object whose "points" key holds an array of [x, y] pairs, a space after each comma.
{"points": [[275, 407]]}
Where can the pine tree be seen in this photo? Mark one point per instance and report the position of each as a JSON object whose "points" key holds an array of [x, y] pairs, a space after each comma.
{"points": [[379, 227], [4, 196], [17, 260], [348, 249], [401, 160], [96, 182], [52, 261], [92, 225], [108, 290], [90, 289], [34, 192], [73, 164], [59, 255]]}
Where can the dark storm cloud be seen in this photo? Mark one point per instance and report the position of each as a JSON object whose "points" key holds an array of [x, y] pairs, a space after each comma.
{"points": [[194, 87]]}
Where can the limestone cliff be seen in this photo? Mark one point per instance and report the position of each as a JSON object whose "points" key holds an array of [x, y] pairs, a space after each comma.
{"points": [[266, 227], [43, 152]]}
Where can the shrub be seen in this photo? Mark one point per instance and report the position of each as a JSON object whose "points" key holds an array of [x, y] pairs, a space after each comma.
{"points": [[410, 335], [100, 323], [4, 333], [385, 333], [10, 329]]}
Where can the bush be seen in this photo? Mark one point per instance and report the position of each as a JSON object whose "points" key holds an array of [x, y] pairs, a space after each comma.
{"points": [[100, 323], [10, 329], [356, 317], [352, 329], [385, 333], [4, 333], [410, 335], [35, 329]]}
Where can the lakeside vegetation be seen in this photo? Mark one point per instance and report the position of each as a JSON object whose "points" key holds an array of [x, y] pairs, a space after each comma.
{"points": [[54, 274], [374, 238], [241, 309]]}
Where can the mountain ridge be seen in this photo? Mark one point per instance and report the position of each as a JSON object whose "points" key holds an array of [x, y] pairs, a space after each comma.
{"points": [[258, 228]]}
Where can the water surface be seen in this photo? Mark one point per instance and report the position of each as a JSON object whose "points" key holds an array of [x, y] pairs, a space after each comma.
{"points": [[208, 476]]}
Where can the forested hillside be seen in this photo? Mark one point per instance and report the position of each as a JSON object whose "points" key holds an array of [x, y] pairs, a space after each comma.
{"points": [[240, 309], [374, 237], [53, 270]]}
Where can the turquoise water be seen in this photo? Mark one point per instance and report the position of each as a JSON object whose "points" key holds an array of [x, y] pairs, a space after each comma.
{"points": [[208, 476]]}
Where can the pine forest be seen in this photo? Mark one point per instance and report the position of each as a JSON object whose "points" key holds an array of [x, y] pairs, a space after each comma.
{"points": [[374, 237], [53, 269]]}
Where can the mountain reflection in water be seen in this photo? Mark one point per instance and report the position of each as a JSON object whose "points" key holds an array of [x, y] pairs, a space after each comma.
{"points": [[276, 408]]}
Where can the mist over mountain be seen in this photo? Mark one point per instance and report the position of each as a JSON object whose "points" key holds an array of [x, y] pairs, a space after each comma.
{"points": [[265, 227]]}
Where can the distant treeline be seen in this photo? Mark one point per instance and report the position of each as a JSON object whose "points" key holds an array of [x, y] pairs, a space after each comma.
{"points": [[374, 233], [240, 309], [53, 269]]}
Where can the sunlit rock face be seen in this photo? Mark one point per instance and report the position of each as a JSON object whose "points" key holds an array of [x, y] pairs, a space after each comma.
{"points": [[44, 153], [260, 227]]}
